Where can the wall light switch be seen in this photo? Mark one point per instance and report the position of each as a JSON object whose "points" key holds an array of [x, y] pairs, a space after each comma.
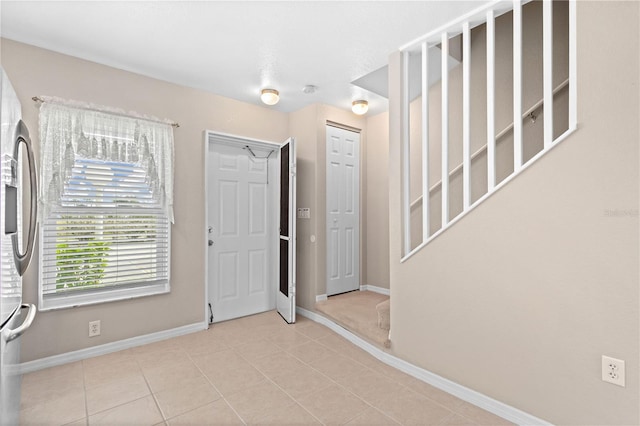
{"points": [[304, 213]]}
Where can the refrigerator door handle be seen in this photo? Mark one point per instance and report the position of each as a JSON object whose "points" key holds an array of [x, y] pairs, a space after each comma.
{"points": [[17, 332], [22, 259]]}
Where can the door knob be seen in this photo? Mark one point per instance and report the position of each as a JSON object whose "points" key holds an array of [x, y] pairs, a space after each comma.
{"points": [[210, 242]]}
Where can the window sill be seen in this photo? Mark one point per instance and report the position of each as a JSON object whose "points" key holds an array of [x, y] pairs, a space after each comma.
{"points": [[55, 302]]}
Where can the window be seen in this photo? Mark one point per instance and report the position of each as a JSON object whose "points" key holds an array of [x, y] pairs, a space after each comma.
{"points": [[106, 212]]}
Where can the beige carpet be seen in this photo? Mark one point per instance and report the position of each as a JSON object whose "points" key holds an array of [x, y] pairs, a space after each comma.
{"points": [[356, 311]]}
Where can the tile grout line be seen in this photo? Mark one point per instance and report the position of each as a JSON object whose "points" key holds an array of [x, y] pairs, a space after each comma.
{"points": [[155, 400], [249, 362], [84, 390], [333, 381], [340, 385], [451, 412], [324, 375], [215, 387], [122, 403], [295, 401], [344, 351]]}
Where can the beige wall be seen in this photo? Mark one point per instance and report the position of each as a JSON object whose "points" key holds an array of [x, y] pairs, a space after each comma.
{"points": [[35, 71], [520, 299], [302, 127], [377, 201]]}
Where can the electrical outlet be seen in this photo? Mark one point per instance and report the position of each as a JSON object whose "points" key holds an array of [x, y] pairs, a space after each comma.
{"points": [[613, 370], [94, 328]]}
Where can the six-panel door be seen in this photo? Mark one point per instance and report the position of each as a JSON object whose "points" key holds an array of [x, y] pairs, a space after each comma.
{"points": [[343, 210]]}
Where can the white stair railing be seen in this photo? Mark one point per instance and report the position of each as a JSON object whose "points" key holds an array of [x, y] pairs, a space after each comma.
{"points": [[464, 26]]}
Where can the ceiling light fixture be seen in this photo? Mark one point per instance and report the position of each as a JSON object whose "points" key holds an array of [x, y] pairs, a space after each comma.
{"points": [[270, 96], [360, 107]]}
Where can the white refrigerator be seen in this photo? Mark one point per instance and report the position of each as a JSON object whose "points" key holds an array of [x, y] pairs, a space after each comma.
{"points": [[16, 159]]}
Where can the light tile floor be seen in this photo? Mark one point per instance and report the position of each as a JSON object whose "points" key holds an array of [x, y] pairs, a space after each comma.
{"points": [[253, 370]]}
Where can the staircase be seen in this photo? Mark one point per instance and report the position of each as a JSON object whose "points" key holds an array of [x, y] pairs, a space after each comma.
{"points": [[364, 313], [489, 118], [490, 111]]}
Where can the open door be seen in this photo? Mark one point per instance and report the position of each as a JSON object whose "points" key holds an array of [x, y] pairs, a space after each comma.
{"points": [[286, 298]]}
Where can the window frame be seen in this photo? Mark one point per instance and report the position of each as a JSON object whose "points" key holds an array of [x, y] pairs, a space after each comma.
{"points": [[109, 293], [102, 295]]}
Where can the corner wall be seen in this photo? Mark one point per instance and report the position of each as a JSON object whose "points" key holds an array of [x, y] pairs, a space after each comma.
{"points": [[377, 201], [302, 128], [34, 71], [521, 297]]}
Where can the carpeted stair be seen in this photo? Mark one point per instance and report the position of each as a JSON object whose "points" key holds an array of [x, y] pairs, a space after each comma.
{"points": [[384, 314], [358, 312]]}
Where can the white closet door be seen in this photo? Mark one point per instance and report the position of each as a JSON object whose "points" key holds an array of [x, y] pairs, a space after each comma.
{"points": [[343, 210]]}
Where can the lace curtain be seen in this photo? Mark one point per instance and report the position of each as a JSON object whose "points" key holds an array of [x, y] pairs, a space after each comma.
{"points": [[67, 132]]}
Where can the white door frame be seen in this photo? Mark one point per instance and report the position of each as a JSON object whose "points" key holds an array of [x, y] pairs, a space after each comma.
{"points": [[211, 137]]}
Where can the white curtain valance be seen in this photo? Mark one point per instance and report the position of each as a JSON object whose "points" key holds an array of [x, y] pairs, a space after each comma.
{"points": [[67, 132]]}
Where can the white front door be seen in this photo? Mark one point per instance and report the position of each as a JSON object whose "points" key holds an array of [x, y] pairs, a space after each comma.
{"points": [[286, 299], [240, 255], [343, 210]]}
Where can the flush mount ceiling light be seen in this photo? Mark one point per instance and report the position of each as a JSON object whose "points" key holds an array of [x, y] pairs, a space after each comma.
{"points": [[360, 107], [270, 96]]}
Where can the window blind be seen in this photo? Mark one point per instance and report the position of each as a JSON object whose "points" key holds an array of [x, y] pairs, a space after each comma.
{"points": [[108, 231]]}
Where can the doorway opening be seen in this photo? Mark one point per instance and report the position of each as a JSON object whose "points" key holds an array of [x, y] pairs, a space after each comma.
{"points": [[349, 302], [248, 257]]}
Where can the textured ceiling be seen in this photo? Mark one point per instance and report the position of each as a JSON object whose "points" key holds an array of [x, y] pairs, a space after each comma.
{"points": [[236, 48]]}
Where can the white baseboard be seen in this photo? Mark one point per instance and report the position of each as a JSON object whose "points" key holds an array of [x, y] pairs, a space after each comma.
{"points": [[373, 288], [321, 298], [480, 400], [52, 361]]}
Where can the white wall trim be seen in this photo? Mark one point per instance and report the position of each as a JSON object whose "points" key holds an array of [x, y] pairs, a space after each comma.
{"points": [[321, 298], [55, 360], [476, 398], [375, 289]]}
